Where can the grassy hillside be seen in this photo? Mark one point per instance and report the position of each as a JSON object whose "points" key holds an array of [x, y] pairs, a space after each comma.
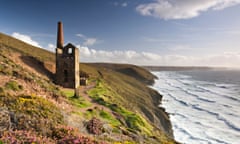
{"points": [[116, 107]]}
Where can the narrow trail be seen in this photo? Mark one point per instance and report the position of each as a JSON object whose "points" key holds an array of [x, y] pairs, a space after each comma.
{"points": [[94, 105], [73, 119]]}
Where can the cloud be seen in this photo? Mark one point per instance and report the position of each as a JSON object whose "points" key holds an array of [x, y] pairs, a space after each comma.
{"points": [[182, 9], [26, 39], [90, 41], [51, 47], [227, 59], [87, 41], [125, 4], [81, 36]]}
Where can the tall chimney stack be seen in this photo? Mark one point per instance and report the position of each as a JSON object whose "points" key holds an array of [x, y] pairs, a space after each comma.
{"points": [[60, 39]]}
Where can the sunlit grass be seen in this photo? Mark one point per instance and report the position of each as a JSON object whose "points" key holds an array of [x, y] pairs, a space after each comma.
{"points": [[134, 121], [120, 88], [77, 101]]}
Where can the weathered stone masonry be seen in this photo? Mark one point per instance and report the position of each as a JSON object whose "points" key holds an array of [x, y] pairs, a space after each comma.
{"points": [[67, 62]]}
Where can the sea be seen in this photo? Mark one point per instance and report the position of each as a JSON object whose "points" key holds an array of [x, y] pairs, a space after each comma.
{"points": [[204, 105]]}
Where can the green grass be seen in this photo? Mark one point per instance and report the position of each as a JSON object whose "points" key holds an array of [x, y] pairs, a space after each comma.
{"points": [[90, 113], [13, 85], [80, 102], [68, 92], [134, 121], [32, 112], [108, 117], [26, 49], [137, 72], [120, 87]]}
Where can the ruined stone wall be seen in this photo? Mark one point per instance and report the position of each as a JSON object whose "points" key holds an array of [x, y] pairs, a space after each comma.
{"points": [[67, 66], [67, 62], [76, 69]]}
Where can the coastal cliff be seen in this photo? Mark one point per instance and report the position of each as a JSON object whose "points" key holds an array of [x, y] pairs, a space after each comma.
{"points": [[117, 105]]}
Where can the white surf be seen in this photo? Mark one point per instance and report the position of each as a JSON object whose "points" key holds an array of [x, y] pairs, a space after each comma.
{"points": [[201, 112]]}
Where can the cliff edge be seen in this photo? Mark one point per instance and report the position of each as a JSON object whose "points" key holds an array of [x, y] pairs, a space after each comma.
{"points": [[116, 106]]}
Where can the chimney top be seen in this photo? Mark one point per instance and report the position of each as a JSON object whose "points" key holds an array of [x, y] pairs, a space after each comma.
{"points": [[60, 37]]}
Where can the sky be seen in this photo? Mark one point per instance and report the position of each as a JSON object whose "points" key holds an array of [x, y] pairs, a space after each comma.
{"points": [[141, 32]]}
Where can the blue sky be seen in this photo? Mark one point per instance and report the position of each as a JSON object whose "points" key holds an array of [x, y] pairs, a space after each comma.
{"points": [[142, 32]]}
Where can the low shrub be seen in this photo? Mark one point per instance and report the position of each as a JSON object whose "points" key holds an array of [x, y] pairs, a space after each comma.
{"points": [[23, 137], [1, 90], [95, 126], [77, 140], [67, 135], [13, 85]]}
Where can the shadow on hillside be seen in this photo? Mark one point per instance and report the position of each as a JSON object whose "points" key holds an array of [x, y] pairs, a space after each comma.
{"points": [[38, 66]]}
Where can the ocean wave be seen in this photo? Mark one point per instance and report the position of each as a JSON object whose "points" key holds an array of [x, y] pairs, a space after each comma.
{"points": [[189, 137], [201, 112], [219, 117]]}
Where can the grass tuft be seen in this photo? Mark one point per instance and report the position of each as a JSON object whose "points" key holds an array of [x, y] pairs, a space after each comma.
{"points": [[13, 85]]}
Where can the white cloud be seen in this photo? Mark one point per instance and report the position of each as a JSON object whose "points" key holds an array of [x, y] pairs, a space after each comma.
{"points": [[51, 47], [81, 35], [227, 59], [87, 41], [182, 9], [125, 4], [26, 39], [90, 41]]}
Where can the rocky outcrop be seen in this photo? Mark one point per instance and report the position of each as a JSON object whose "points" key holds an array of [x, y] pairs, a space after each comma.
{"points": [[5, 120]]}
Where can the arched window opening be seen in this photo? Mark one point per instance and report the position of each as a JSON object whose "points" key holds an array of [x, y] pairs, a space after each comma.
{"points": [[70, 50]]}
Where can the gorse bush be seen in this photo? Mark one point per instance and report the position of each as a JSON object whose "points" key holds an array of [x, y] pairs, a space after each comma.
{"points": [[31, 112]]}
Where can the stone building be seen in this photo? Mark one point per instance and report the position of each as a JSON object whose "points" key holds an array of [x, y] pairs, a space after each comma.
{"points": [[67, 62]]}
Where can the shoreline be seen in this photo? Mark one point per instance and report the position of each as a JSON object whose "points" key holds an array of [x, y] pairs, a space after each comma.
{"points": [[177, 68]]}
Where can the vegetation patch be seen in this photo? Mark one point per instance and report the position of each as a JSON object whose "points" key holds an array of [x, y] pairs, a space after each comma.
{"points": [[68, 135], [32, 112], [23, 137], [2, 91], [60, 135], [80, 102], [68, 92], [109, 118], [121, 88], [13, 85], [134, 121], [90, 113], [95, 126]]}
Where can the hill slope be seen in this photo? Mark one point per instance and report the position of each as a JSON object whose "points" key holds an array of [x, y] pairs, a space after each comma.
{"points": [[118, 101]]}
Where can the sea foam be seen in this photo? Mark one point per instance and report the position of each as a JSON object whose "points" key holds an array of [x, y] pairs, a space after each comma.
{"points": [[200, 111]]}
